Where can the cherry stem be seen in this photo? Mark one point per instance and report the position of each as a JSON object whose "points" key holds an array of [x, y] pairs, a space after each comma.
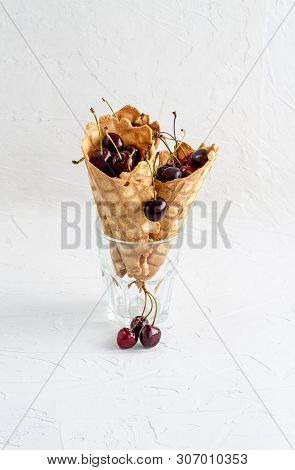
{"points": [[151, 301], [144, 307], [179, 146], [171, 137], [152, 304], [164, 142], [108, 104], [175, 140], [117, 150], [172, 157], [98, 128], [142, 313], [172, 154], [76, 162], [156, 307], [174, 124], [128, 162]]}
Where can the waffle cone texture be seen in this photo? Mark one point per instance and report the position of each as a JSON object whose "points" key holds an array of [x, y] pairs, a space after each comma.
{"points": [[181, 193], [120, 201]]}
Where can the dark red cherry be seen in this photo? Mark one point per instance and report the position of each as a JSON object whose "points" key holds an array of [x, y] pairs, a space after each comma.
{"points": [[170, 173], [155, 209], [160, 171], [136, 124], [172, 163], [137, 323], [107, 143], [186, 161], [150, 336], [102, 161], [135, 151], [199, 158], [126, 338], [125, 163], [186, 170]]}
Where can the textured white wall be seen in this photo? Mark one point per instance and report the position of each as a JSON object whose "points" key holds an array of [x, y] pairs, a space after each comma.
{"points": [[160, 55]]}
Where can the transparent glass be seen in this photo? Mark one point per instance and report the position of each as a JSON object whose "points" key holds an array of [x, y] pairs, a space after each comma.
{"points": [[127, 265]]}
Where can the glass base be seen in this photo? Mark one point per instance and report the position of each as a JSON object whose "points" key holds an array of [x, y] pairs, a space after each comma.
{"points": [[125, 301], [127, 266]]}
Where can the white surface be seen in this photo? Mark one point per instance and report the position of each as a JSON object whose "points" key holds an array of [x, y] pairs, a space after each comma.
{"points": [[189, 392]]}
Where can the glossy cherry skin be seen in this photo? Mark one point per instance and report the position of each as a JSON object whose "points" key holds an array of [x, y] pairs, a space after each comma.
{"points": [[160, 171], [186, 161], [170, 173], [125, 163], [150, 336], [155, 209], [126, 338], [107, 143], [135, 151], [199, 158], [137, 324], [186, 170], [102, 161]]}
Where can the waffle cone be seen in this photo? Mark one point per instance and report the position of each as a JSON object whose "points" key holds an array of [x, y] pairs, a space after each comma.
{"points": [[120, 201], [180, 193], [134, 116]]}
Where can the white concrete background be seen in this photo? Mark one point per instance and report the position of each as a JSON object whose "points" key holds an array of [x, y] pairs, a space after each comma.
{"points": [[230, 386]]}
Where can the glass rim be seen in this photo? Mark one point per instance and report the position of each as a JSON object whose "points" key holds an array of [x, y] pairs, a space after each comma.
{"points": [[151, 242]]}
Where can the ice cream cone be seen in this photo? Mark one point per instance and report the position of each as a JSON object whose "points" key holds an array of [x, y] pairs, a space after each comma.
{"points": [[120, 201], [180, 193]]}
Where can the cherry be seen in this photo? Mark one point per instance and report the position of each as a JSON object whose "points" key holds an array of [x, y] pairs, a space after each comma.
{"points": [[186, 160], [155, 209], [123, 163], [126, 338], [199, 158], [102, 161], [136, 124], [135, 151], [107, 143], [149, 336], [186, 170], [161, 169], [170, 173], [137, 324]]}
